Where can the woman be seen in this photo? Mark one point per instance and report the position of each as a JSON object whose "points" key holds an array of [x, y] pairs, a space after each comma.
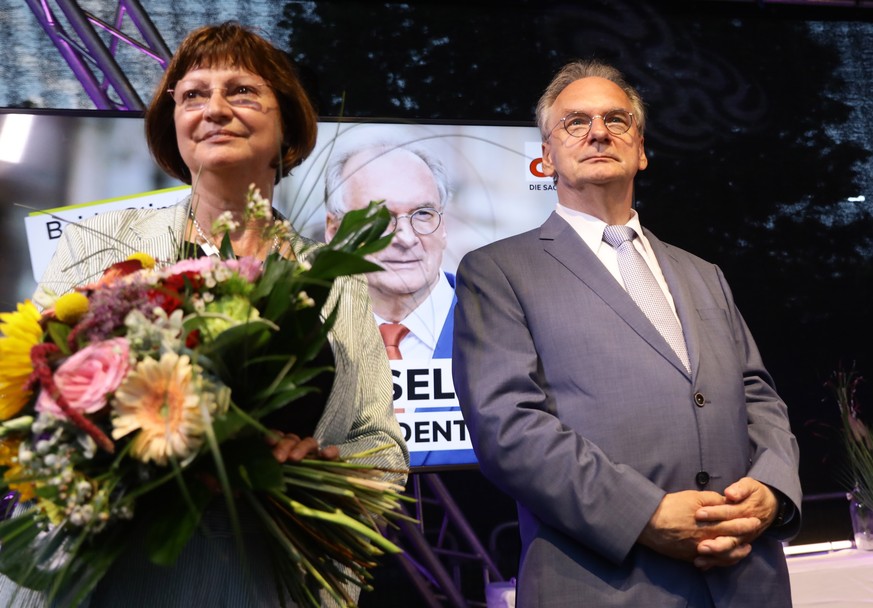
{"points": [[230, 111]]}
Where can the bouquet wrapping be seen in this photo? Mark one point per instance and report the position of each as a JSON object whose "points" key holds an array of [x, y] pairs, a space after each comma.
{"points": [[144, 398]]}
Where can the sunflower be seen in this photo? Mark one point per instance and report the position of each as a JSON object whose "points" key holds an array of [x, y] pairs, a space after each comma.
{"points": [[162, 400], [20, 331]]}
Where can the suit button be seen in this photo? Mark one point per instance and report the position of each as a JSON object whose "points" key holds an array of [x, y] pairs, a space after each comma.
{"points": [[699, 399], [702, 479]]}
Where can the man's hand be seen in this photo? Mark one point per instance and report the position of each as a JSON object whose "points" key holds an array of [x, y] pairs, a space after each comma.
{"points": [[292, 448], [674, 529], [746, 498]]}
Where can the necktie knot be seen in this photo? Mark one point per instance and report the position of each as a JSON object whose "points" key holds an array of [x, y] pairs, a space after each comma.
{"points": [[392, 334], [616, 235]]}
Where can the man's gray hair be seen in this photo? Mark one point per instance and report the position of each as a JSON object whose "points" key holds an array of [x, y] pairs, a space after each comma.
{"points": [[578, 70], [334, 180]]}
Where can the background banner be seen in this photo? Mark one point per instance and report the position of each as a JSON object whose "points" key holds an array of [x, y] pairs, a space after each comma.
{"points": [[495, 186]]}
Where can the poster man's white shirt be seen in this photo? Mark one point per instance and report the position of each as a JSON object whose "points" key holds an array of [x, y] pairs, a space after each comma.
{"points": [[426, 322]]}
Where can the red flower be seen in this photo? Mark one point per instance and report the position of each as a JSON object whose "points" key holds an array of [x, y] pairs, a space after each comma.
{"points": [[178, 282], [167, 299], [192, 340], [113, 273]]}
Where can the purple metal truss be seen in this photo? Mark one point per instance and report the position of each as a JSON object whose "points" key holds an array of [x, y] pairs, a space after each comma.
{"points": [[90, 57]]}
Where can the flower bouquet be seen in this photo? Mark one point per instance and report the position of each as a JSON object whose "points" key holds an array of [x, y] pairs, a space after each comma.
{"points": [[154, 387]]}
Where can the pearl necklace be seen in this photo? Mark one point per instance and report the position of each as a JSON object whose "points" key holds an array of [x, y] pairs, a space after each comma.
{"points": [[208, 245]]}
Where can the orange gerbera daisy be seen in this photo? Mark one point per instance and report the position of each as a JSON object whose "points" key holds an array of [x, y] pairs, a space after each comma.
{"points": [[162, 400], [21, 332]]}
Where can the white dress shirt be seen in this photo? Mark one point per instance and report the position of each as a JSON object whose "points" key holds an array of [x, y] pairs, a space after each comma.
{"points": [[590, 229], [426, 322]]}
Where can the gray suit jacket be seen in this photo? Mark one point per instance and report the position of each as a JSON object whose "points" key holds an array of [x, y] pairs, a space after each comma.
{"points": [[358, 416], [579, 409]]}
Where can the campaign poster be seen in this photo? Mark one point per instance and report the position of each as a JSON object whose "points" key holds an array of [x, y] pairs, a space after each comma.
{"points": [[449, 187]]}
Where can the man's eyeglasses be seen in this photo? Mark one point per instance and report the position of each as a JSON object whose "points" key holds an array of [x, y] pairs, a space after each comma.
{"points": [[193, 97], [578, 124], [424, 221]]}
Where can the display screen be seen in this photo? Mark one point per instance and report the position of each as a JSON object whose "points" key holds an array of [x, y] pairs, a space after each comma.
{"points": [[469, 184]]}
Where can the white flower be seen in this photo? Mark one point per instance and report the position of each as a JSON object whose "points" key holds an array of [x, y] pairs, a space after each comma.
{"points": [[224, 223], [305, 300], [161, 335]]}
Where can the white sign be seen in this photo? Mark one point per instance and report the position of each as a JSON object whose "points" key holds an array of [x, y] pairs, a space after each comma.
{"points": [[44, 228], [426, 406], [434, 431]]}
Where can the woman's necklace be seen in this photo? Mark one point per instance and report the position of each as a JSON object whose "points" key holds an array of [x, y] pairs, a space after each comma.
{"points": [[207, 244]]}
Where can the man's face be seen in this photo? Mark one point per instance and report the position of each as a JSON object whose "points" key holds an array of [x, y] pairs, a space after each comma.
{"points": [[412, 261], [600, 157]]}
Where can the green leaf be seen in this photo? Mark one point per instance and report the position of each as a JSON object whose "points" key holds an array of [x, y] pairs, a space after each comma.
{"points": [[253, 460], [59, 332], [280, 300], [282, 399], [250, 335], [17, 536], [88, 565], [57, 562], [291, 380], [361, 226], [226, 248], [330, 264], [229, 425]]}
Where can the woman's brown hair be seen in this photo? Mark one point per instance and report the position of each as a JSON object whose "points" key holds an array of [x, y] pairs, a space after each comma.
{"points": [[232, 45]]}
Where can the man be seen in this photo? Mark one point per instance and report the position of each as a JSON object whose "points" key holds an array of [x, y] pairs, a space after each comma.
{"points": [[651, 466], [412, 290], [413, 298]]}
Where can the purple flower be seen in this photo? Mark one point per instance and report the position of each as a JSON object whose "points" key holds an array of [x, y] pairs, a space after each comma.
{"points": [[110, 305]]}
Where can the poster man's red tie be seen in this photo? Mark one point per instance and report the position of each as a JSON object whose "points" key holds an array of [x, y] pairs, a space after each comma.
{"points": [[392, 334]]}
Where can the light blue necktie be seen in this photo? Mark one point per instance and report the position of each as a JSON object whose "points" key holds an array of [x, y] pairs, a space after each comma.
{"points": [[644, 289]]}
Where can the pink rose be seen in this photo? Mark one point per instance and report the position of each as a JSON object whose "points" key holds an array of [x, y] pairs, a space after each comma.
{"points": [[87, 377]]}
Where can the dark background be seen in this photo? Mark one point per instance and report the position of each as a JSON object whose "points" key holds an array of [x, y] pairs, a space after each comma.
{"points": [[759, 152], [758, 137]]}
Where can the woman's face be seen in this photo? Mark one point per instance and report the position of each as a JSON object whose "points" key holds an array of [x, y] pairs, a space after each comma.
{"points": [[227, 120]]}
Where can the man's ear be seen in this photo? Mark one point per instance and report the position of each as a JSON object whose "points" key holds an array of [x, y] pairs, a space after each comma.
{"points": [[548, 166], [331, 224], [644, 162]]}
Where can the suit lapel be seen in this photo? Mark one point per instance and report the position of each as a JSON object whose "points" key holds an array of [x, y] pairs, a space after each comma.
{"points": [[561, 242]]}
